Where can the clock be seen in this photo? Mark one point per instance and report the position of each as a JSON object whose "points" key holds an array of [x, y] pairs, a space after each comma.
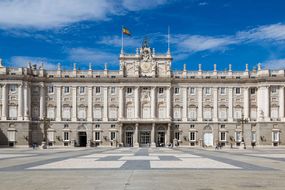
{"points": [[145, 67]]}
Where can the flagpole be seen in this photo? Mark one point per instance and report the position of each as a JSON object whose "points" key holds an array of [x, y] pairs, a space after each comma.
{"points": [[122, 49]]}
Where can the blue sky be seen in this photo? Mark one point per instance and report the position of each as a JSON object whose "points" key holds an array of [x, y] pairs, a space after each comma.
{"points": [[203, 32]]}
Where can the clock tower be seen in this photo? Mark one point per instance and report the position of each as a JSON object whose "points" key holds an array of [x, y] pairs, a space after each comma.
{"points": [[145, 63]]}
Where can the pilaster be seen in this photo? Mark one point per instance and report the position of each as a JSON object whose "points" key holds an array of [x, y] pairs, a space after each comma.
{"points": [[58, 103], [281, 103], [74, 104], [153, 135], [90, 104], [42, 101], [153, 102], [215, 106], [246, 102], [137, 105], [105, 113], [200, 104], [136, 143], [185, 104], [20, 102], [4, 102]]}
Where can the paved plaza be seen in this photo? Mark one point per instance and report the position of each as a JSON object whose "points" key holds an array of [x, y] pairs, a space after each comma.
{"points": [[142, 168]]}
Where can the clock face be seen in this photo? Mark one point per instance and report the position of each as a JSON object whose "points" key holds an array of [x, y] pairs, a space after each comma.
{"points": [[145, 66]]}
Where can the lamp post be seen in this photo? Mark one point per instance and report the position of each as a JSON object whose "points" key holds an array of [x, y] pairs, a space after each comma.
{"points": [[242, 121]]}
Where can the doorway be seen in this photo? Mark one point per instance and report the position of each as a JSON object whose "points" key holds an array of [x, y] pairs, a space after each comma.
{"points": [[160, 139], [129, 139], [82, 137], [144, 138], [208, 139]]}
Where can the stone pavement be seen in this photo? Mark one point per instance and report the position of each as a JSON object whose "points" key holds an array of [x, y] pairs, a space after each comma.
{"points": [[142, 168]]}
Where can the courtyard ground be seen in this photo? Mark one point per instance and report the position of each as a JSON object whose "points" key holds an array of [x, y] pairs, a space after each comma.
{"points": [[142, 168]]}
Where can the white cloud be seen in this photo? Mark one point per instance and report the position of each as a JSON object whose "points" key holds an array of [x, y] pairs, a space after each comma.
{"points": [[139, 5], [274, 32], [92, 55], [274, 64], [49, 14], [22, 61], [203, 3], [117, 41], [195, 43]]}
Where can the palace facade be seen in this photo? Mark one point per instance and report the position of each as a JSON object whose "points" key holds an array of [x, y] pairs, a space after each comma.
{"points": [[144, 103]]}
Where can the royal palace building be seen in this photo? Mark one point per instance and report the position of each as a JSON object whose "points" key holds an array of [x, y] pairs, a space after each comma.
{"points": [[144, 103]]}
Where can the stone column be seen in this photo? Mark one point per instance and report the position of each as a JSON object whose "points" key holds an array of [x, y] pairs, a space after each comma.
{"points": [[90, 104], [281, 103], [266, 103], [153, 135], [153, 102], [215, 106], [105, 104], [246, 103], [137, 103], [74, 104], [168, 134], [58, 103], [168, 103], [230, 112], [4, 102], [200, 104], [185, 104], [20, 102], [121, 142], [121, 102], [136, 142], [26, 102], [42, 101]]}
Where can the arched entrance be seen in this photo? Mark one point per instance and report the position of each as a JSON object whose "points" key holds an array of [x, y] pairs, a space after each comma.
{"points": [[82, 136], [208, 138], [129, 137], [160, 136]]}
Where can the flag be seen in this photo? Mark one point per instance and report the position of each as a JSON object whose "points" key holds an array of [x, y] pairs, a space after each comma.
{"points": [[126, 31]]}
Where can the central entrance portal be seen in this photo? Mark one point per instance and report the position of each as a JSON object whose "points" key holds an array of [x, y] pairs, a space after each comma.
{"points": [[144, 138], [82, 137], [160, 139], [129, 139]]}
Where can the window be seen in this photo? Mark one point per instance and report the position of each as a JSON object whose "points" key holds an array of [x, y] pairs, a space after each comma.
{"points": [[274, 112], [66, 136], [207, 91], [222, 136], [223, 91], [176, 90], [237, 90], [13, 88], [238, 136], [50, 89], [113, 113], [113, 136], [50, 113], [273, 89], [223, 126], [253, 112], [50, 76], [13, 112], [11, 133], [275, 136], [160, 90], [82, 113], [113, 126], [97, 136], [66, 113], [192, 136], [81, 89], [223, 114], [253, 136], [82, 76], [192, 114], [238, 113], [66, 76], [177, 113], [176, 135], [113, 90], [192, 126], [208, 114], [192, 91], [97, 113], [129, 90], [66, 89], [97, 126], [97, 90], [252, 91]]}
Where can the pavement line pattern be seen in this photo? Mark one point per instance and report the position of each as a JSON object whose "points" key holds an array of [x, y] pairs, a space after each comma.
{"points": [[137, 158], [268, 155], [2, 156]]}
